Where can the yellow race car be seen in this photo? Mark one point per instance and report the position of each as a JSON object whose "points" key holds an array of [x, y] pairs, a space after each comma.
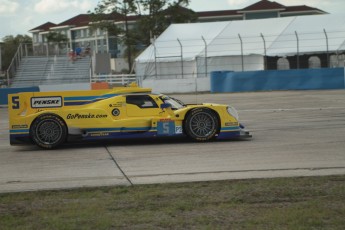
{"points": [[49, 119]]}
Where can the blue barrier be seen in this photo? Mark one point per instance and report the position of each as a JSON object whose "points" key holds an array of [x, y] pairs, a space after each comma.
{"points": [[304, 79], [5, 91]]}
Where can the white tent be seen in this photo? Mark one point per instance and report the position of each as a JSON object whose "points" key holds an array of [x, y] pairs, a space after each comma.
{"points": [[195, 49]]}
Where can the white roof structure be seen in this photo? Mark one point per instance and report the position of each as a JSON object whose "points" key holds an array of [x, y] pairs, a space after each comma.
{"points": [[167, 45], [282, 36]]}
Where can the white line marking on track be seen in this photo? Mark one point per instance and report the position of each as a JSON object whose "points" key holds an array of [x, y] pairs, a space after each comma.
{"points": [[292, 109]]}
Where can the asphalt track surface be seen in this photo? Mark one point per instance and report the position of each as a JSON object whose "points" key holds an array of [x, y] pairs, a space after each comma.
{"points": [[295, 133]]}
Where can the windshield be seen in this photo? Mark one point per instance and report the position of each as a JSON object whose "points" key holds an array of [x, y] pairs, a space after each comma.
{"points": [[175, 103]]}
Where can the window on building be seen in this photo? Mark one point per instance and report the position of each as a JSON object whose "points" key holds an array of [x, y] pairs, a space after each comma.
{"points": [[314, 62], [92, 32], [36, 38], [283, 64]]}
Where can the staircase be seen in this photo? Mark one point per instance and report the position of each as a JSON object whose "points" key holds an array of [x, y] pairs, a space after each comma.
{"points": [[35, 71]]}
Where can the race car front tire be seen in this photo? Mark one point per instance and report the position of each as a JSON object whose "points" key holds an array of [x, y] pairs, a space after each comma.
{"points": [[48, 131], [201, 124]]}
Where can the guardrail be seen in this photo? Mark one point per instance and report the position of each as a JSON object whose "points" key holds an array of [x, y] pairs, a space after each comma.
{"points": [[272, 80], [114, 79]]}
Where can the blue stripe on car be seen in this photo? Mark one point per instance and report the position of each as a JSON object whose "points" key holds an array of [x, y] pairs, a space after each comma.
{"points": [[233, 128], [19, 131], [118, 129], [89, 98], [83, 100]]}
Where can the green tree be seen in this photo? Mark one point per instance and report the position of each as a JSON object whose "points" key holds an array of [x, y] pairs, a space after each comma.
{"points": [[10, 46], [108, 12], [56, 37], [59, 40], [152, 16], [160, 14]]}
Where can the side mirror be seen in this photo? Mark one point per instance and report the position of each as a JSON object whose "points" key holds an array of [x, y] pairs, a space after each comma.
{"points": [[165, 106]]}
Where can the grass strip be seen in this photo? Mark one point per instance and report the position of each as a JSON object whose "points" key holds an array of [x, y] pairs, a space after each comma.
{"points": [[279, 203]]}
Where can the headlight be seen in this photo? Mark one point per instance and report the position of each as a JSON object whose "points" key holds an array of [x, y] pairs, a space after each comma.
{"points": [[233, 112]]}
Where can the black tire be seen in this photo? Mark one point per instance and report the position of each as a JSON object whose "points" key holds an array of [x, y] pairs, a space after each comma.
{"points": [[201, 124], [48, 131]]}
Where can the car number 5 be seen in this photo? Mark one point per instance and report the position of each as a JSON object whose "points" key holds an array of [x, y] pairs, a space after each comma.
{"points": [[15, 102], [166, 129]]}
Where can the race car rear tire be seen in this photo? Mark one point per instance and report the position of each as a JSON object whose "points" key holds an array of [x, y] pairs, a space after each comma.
{"points": [[48, 131], [201, 124]]}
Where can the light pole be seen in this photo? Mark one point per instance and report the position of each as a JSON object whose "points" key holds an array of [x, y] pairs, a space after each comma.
{"points": [[1, 43], [1, 73]]}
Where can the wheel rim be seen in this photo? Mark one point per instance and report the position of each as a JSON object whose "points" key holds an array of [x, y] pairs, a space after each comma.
{"points": [[49, 132], [202, 124]]}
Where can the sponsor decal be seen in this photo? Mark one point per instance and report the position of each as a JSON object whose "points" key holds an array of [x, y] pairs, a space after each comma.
{"points": [[19, 126], [46, 102], [231, 123], [118, 104], [85, 116], [165, 119], [178, 130], [101, 134], [115, 112]]}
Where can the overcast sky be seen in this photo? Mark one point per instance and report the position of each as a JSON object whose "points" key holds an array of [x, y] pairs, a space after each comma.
{"points": [[19, 16]]}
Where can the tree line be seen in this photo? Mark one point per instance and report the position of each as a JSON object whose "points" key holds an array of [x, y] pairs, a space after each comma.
{"points": [[10, 46]]}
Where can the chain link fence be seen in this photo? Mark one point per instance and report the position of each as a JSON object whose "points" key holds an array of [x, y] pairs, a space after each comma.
{"points": [[185, 58]]}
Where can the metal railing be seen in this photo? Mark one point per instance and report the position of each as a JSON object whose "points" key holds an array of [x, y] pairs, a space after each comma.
{"points": [[17, 58], [38, 50], [49, 50], [114, 79]]}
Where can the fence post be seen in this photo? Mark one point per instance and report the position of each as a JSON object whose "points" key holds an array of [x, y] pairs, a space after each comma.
{"points": [[21, 51], [8, 78], [90, 73], [328, 62], [297, 49], [206, 69], [241, 52], [344, 72], [16, 60], [26, 50], [0, 57], [47, 46], [155, 52], [181, 55], [265, 51]]}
